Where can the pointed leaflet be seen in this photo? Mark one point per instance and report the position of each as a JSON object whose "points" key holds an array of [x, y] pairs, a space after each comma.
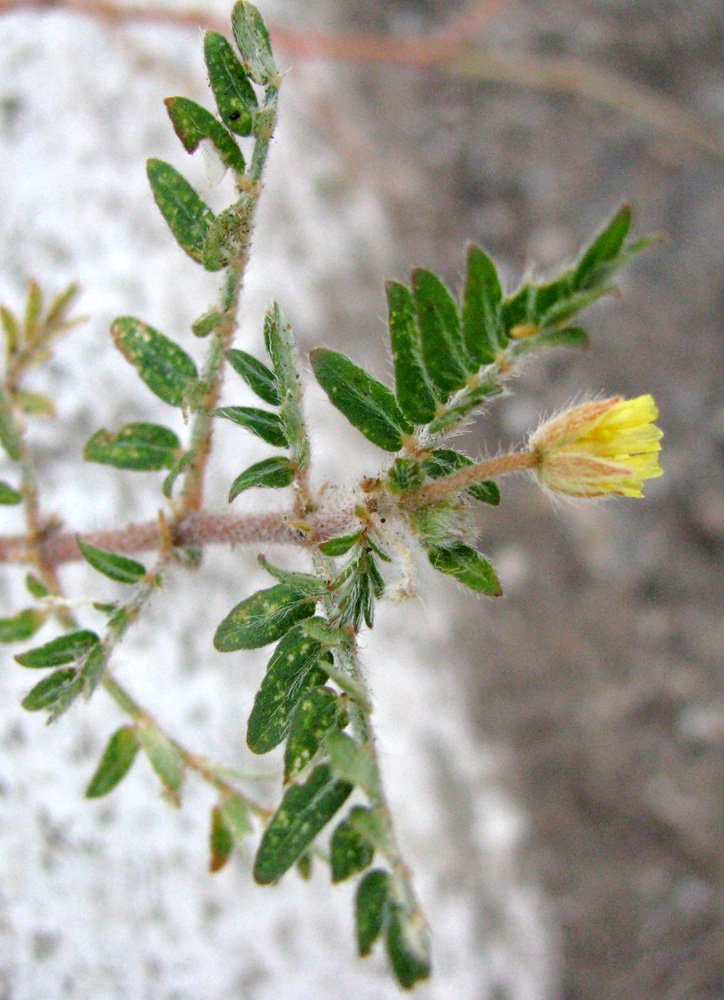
{"points": [[10, 436], [285, 360], [600, 258], [442, 346], [482, 295], [317, 711], [187, 216], [141, 447], [193, 124], [372, 907], [115, 762], [21, 626], [263, 423], [273, 473], [297, 664], [116, 567], [341, 545], [257, 376], [165, 367], [262, 618], [252, 39], [415, 396], [467, 566], [235, 97], [304, 811], [303, 583], [366, 403], [65, 649]]}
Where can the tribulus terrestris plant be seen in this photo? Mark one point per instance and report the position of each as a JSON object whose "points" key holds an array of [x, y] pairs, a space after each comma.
{"points": [[451, 357]]}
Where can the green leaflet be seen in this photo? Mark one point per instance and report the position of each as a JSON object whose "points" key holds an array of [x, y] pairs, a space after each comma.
{"points": [[65, 649], [192, 124], [444, 461], [186, 215], [273, 473], [442, 346], [303, 583], [351, 761], [257, 376], [262, 618], [467, 566], [265, 424], [408, 948], [304, 811], [598, 260], [165, 367], [340, 546], [315, 713], [10, 437], [366, 403], [252, 39], [115, 762], [350, 852], [372, 908], [119, 568], [54, 693], [9, 496], [415, 396], [163, 757], [228, 237], [285, 360], [208, 322], [295, 666], [221, 841], [140, 446], [234, 95], [482, 295], [21, 626]]}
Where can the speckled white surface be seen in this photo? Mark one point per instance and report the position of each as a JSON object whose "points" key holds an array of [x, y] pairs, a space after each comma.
{"points": [[112, 899]]}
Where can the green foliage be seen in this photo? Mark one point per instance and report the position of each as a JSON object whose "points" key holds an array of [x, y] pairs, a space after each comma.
{"points": [[304, 811], [115, 763], [110, 564], [165, 367], [451, 356], [140, 446]]}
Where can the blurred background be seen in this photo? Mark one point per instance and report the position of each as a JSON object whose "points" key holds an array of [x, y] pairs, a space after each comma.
{"points": [[556, 757]]}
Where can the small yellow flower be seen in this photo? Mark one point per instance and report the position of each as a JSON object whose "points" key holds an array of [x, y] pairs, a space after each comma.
{"points": [[605, 446]]}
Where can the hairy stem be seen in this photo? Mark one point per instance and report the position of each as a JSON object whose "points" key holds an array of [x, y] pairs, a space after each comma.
{"points": [[447, 487]]}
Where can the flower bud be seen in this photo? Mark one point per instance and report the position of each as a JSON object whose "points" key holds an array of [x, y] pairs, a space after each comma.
{"points": [[604, 446]]}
